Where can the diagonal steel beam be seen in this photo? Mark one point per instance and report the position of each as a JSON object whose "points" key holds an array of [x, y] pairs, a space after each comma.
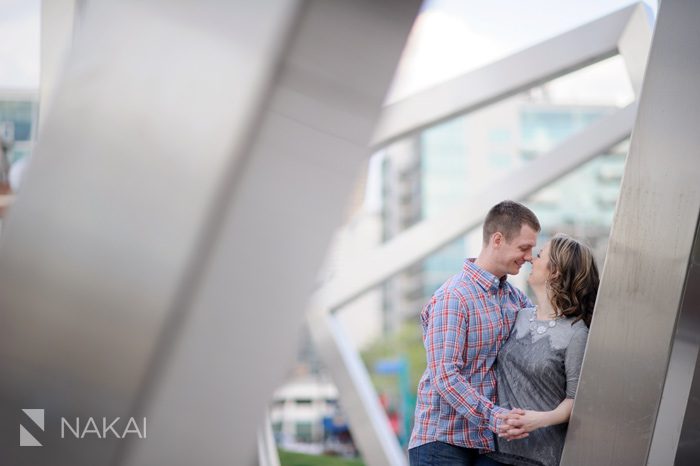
{"points": [[583, 46], [58, 22], [638, 395], [370, 427], [168, 232], [634, 44]]}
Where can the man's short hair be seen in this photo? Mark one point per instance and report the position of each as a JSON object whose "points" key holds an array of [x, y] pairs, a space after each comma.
{"points": [[508, 217]]}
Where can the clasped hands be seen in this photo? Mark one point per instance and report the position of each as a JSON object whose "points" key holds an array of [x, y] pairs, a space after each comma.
{"points": [[518, 423]]}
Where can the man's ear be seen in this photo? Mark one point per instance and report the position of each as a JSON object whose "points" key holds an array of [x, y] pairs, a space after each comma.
{"points": [[497, 239]]}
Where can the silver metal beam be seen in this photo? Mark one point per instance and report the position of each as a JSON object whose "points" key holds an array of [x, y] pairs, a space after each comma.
{"points": [[311, 145], [267, 447], [543, 62], [688, 337], [633, 45], [169, 228], [647, 302], [358, 398], [58, 21]]}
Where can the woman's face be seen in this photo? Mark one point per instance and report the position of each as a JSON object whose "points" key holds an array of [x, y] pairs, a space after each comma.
{"points": [[540, 267]]}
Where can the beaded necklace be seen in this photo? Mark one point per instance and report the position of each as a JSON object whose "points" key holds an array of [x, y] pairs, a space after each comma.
{"points": [[540, 327]]}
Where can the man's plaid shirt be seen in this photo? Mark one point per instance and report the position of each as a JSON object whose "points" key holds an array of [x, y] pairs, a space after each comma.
{"points": [[464, 325]]}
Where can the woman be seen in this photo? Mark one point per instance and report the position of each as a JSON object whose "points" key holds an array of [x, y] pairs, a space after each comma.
{"points": [[538, 367]]}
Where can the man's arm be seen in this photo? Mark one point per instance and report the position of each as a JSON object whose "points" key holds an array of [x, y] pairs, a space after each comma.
{"points": [[445, 342]]}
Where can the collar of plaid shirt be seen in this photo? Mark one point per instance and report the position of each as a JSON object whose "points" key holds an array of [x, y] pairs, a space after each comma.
{"points": [[484, 278]]}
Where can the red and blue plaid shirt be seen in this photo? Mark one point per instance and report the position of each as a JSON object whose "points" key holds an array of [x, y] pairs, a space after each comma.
{"points": [[464, 325]]}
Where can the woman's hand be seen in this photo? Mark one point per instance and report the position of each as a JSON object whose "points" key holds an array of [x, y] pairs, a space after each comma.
{"points": [[519, 422]]}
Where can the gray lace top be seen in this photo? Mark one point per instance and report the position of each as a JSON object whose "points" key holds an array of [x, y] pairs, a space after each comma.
{"points": [[537, 368]]}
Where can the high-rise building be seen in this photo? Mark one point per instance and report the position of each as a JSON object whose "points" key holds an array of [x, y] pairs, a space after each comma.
{"points": [[18, 110]]}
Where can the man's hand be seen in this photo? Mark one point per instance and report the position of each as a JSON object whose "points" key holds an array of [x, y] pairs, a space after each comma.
{"points": [[517, 423], [506, 430]]}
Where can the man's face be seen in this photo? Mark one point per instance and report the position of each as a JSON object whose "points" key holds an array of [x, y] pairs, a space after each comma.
{"points": [[511, 255]]}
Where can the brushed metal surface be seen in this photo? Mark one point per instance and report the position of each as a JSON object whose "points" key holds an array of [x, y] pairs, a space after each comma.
{"points": [[647, 264], [58, 22], [688, 338], [100, 243], [677, 424], [309, 147], [190, 172]]}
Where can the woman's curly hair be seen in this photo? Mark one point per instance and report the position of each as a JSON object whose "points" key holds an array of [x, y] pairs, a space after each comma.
{"points": [[573, 278]]}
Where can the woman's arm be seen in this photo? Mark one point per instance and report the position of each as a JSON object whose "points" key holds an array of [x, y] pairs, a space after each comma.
{"points": [[516, 426]]}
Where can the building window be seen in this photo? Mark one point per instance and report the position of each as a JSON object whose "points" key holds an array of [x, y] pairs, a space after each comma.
{"points": [[303, 431]]}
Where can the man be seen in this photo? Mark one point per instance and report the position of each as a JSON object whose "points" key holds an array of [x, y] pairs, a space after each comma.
{"points": [[464, 325]]}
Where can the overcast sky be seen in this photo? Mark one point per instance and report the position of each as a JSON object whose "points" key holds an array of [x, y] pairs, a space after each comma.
{"points": [[449, 37], [19, 44]]}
